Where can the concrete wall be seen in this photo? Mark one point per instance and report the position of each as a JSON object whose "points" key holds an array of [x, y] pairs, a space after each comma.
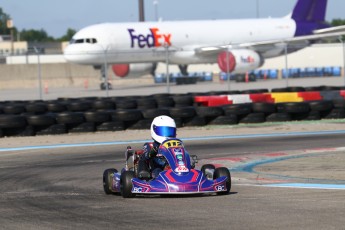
{"points": [[57, 75]]}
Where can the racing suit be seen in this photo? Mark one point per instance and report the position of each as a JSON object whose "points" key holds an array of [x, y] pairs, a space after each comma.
{"points": [[150, 159]]}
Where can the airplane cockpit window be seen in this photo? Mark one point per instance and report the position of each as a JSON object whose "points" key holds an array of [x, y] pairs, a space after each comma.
{"points": [[84, 40]]}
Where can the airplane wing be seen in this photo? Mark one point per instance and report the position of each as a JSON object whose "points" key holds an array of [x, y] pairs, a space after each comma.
{"points": [[330, 30], [263, 45]]}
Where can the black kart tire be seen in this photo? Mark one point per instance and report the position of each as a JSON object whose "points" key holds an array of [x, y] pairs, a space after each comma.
{"points": [[127, 115], [97, 117], [253, 118], [293, 107], [339, 103], [69, 118], [152, 113], [126, 184], [103, 105], [183, 101], [311, 116], [86, 127], [146, 103], [79, 106], [56, 107], [278, 117], [165, 102], [36, 108], [53, 130], [336, 114], [40, 120], [111, 126], [238, 109], [222, 171], [14, 109], [126, 104], [182, 112], [194, 121], [108, 180], [321, 105], [209, 111], [262, 107], [19, 132], [12, 121], [141, 124], [231, 119]]}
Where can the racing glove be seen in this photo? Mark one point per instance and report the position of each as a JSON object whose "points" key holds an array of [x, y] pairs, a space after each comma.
{"points": [[150, 150], [154, 151]]}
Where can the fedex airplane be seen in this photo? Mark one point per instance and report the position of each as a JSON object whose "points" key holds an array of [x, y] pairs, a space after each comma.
{"points": [[237, 46]]}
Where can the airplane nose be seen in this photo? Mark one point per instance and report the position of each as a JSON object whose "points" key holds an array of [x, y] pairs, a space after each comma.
{"points": [[71, 54], [83, 54]]}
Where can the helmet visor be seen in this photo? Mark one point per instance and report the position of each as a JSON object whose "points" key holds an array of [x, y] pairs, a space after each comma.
{"points": [[165, 131]]}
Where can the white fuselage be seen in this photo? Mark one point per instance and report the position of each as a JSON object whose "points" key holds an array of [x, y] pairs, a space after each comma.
{"points": [[149, 41]]}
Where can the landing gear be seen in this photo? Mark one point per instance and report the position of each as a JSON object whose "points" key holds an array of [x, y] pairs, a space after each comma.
{"points": [[104, 84], [183, 69]]}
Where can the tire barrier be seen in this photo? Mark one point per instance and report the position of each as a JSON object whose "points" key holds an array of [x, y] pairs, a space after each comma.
{"points": [[92, 114]]}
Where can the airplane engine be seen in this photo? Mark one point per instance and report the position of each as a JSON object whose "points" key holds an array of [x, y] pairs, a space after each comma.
{"points": [[133, 70], [239, 61]]}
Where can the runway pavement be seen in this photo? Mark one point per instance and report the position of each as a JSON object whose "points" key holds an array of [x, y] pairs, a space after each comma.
{"points": [[61, 188]]}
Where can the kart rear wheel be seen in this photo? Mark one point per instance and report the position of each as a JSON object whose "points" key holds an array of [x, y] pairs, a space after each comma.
{"points": [[208, 170], [108, 180], [222, 171], [126, 184]]}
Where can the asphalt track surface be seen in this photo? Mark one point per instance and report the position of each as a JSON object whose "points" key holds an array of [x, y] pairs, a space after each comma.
{"points": [[62, 189]]}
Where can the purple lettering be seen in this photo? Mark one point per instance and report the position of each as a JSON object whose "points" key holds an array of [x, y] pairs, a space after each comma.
{"points": [[133, 37], [149, 40], [142, 42]]}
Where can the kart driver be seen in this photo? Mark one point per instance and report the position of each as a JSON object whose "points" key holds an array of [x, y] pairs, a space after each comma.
{"points": [[162, 128]]}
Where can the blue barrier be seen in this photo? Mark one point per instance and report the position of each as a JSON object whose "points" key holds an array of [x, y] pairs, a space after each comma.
{"points": [[202, 76], [337, 71], [313, 72]]}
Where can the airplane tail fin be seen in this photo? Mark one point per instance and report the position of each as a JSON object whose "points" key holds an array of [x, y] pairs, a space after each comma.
{"points": [[309, 15], [310, 10]]}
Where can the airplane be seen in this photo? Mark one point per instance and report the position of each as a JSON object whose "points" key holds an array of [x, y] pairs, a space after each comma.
{"points": [[238, 46]]}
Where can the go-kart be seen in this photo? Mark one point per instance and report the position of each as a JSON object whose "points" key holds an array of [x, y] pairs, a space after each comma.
{"points": [[178, 177]]}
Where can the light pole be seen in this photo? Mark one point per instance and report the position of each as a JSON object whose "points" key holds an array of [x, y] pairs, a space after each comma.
{"points": [[257, 9], [227, 67], [39, 72], [342, 42], [105, 66], [166, 46], [286, 64], [10, 26], [155, 3]]}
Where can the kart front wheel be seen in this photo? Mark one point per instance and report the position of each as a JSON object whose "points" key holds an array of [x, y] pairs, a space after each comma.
{"points": [[126, 184], [222, 171], [108, 180]]}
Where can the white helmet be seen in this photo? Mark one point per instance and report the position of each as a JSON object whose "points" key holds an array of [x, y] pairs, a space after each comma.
{"points": [[163, 128]]}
